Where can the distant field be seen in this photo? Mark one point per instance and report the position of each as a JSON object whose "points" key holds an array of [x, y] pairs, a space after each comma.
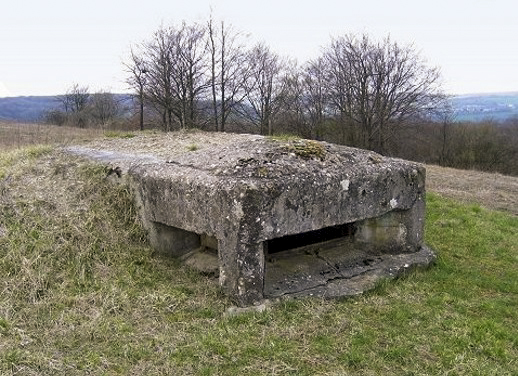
{"points": [[13, 135], [484, 107], [493, 191]]}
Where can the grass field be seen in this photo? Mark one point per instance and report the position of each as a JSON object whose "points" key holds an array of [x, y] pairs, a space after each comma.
{"points": [[13, 136], [81, 293]]}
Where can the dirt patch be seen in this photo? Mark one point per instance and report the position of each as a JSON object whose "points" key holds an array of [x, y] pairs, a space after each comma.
{"points": [[492, 191]]}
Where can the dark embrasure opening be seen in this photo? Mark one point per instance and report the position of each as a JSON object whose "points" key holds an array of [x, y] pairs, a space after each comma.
{"points": [[311, 237]]}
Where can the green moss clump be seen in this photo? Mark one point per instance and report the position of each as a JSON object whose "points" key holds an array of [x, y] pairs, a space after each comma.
{"points": [[308, 149]]}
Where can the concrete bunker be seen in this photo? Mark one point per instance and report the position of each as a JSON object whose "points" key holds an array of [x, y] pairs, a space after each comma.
{"points": [[286, 218]]}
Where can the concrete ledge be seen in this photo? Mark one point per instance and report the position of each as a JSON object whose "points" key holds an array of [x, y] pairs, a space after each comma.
{"points": [[365, 274]]}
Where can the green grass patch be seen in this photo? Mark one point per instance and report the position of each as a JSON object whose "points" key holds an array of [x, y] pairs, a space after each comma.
{"points": [[118, 134], [284, 137], [82, 293], [193, 147]]}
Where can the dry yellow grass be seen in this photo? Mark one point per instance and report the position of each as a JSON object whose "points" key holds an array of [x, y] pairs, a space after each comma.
{"points": [[81, 292], [490, 190], [13, 136]]}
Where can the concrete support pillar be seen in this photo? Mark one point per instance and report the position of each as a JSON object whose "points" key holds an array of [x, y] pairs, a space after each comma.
{"points": [[413, 219], [241, 270], [397, 231]]}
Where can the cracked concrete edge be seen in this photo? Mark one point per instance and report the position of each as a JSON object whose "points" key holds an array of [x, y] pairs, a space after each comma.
{"points": [[397, 266], [391, 267]]}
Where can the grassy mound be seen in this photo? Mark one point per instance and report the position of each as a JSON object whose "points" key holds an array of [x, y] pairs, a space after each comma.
{"points": [[82, 293]]}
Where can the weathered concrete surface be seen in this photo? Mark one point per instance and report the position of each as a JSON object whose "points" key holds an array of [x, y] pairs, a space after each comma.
{"points": [[336, 270], [237, 198]]}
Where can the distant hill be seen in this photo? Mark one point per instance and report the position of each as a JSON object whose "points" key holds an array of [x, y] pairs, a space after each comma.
{"points": [[32, 109], [479, 107], [26, 109], [470, 107]]}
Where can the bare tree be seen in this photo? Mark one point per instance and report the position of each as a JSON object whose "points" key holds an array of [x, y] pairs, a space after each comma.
{"points": [[376, 87], [66, 102], [159, 63], [265, 87], [445, 118], [315, 96], [213, 50], [304, 108], [75, 99], [229, 70], [191, 75], [104, 107], [293, 117], [137, 70], [176, 67], [74, 103]]}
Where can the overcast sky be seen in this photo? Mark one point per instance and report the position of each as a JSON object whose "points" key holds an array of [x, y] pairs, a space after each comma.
{"points": [[45, 46]]}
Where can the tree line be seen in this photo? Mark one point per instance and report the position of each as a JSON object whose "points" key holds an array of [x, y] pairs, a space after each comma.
{"points": [[205, 75], [372, 94], [78, 107], [484, 146]]}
